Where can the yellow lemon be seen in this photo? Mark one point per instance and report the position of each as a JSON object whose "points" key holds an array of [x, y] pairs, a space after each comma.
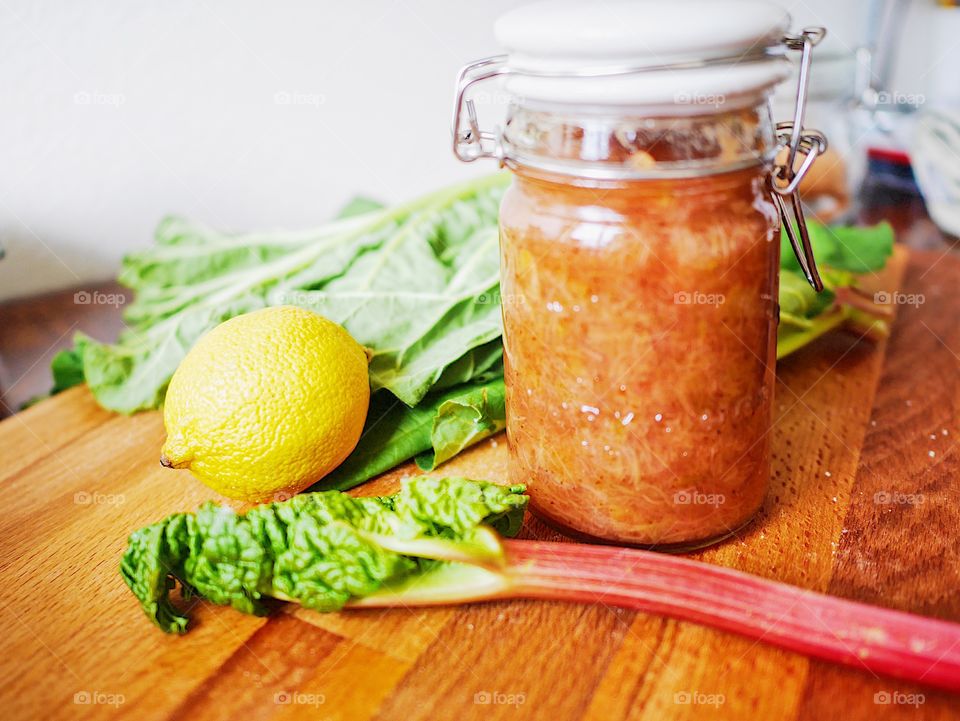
{"points": [[266, 403]]}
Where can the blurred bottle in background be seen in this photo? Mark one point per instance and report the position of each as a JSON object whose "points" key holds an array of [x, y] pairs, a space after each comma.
{"points": [[883, 87]]}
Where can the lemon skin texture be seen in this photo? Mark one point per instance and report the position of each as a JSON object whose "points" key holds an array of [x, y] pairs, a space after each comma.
{"points": [[267, 403]]}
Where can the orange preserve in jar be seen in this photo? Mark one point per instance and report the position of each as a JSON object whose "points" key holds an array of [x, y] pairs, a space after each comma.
{"points": [[640, 247]]}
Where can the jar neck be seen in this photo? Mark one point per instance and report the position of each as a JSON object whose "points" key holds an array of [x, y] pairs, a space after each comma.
{"points": [[634, 144]]}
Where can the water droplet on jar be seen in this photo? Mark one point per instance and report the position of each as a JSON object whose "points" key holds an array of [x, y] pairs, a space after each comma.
{"points": [[583, 443], [579, 380], [554, 307], [576, 309], [627, 418], [704, 417], [932, 454], [667, 429], [623, 388], [658, 417], [594, 298], [563, 404]]}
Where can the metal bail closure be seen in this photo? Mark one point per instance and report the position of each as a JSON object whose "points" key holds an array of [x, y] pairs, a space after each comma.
{"points": [[471, 143], [795, 140]]}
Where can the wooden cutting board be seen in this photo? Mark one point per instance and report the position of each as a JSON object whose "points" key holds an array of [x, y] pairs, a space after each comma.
{"points": [[855, 421]]}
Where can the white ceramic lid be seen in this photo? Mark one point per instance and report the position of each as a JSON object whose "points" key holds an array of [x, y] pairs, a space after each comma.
{"points": [[569, 36]]}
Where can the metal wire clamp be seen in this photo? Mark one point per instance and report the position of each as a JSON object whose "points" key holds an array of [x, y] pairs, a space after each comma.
{"points": [[799, 142]]}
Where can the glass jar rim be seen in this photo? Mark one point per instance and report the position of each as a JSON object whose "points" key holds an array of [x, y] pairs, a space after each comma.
{"points": [[633, 145]]}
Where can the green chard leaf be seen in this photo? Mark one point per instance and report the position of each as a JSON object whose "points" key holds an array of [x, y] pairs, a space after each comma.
{"points": [[464, 419], [412, 282], [842, 254], [420, 311], [67, 369], [322, 550], [442, 425], [358, 206], [851, 248]]}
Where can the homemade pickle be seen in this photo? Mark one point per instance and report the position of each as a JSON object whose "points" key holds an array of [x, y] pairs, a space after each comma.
{"points": [[640, 342]]}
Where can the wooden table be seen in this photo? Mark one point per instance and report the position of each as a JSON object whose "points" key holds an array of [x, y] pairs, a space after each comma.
{"points": [[857, 424], [34, 329]]}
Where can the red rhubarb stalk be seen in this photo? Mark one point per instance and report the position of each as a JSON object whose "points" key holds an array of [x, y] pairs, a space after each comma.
{"points": [[877, 640]]}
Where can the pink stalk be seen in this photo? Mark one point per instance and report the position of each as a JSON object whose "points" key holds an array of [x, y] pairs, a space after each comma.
{"points": [[869, 638]]}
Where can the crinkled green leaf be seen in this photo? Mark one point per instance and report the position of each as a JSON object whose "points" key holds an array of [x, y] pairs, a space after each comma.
{"points": [[319, 549]]}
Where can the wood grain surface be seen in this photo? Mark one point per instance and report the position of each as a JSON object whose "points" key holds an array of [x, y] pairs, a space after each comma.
{"points": [[863, 504]]}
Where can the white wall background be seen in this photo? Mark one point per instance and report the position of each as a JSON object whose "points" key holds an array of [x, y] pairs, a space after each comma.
{"points": [[116, 113]]}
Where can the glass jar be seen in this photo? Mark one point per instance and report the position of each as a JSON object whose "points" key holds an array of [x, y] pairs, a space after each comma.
{"points": [[639, 244]]}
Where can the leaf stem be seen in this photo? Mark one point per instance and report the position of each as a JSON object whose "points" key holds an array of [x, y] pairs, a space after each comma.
{"points": [[878, 640]]}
